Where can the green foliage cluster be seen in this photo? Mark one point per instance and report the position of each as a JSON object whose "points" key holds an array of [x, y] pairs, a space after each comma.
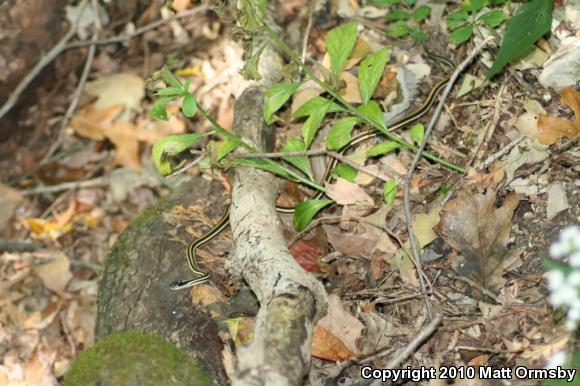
{"points": [[404, 20], [472, 13], [531, 21]]}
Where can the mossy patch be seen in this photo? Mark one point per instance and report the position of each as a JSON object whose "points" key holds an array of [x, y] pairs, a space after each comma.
{"points": [[134, 358]]}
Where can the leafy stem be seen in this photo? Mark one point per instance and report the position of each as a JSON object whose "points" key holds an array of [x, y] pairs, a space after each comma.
{"points": [[279, 43]]}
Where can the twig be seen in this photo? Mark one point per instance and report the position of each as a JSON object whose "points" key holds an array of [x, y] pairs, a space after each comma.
{"points": [[490, 129], [307, 34], [92, 183], [415, 251], [186, 167], [139, 31], [18, 246], [501, 152], [316, 152], [415, 343], [80, 86], [484, 290], [43, 62], [332, 219]]}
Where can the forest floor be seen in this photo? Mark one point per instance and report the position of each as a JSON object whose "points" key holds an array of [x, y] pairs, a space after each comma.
{"points": [[71, 183]]}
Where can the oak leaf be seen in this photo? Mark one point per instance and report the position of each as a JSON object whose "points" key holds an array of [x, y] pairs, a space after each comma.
{"points": [[472, 225]]}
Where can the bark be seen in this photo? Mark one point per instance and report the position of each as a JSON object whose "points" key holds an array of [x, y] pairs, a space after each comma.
{"points": [[133, 290], [291, 299]]}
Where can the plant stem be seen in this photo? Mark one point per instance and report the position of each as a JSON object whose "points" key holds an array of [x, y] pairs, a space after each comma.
{"points": [[220, 130], [278, 42]]}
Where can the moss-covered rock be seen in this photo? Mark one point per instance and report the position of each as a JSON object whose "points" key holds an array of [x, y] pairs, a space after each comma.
{"points": [[134, 358]]}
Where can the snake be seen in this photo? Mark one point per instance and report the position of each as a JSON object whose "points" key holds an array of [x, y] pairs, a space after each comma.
{"points": [[201, 276]]}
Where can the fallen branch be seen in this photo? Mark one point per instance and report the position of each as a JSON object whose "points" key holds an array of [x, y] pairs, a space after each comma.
{"points": [[291, 300], [122, 38]]}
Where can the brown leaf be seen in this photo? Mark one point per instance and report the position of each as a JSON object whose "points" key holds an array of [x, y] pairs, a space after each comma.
{"points": [[479, 231], [342, 324], [347, 193], [329, 347], [351, 92], [306, 254], [55, 274], [551, 129]]}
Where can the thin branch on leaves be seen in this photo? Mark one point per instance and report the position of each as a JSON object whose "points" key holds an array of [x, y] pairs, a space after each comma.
{"points": [[415, 250]]}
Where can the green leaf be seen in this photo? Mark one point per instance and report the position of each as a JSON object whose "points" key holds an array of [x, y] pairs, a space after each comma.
{"points": [[170, 91], [418, 35], [276, 96], [158, 110], [421, 13], [476, 5], [345, 171], [456, 19], [262, 164], [225, 147], [168, 147], [417, 133], [382, 148], [390, 190], [397, 29], [305, 212], [370, 73], [374, 113], [493, 18], [340, 41], [532, 20], [410, 3], [316, 104], [386, 2], [339, 134], [313, 123], [189, 105], [301, 162], [461, 35], [397, 15]]}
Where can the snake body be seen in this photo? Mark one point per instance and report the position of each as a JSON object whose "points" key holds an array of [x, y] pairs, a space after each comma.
{"points": [[203, 277]]}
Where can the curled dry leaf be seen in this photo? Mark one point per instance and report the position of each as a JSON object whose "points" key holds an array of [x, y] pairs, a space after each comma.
{"points": [[472, 225], [551, 129], [347, 193]]}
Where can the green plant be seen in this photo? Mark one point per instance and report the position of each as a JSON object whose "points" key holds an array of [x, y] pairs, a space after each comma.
{"points": [[531, 21], [470, 15], [404, 20], [340, 42]]}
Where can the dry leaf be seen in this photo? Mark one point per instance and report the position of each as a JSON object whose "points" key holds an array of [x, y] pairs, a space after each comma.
{"points": [[100, 124], [347, 193], [308, 90], [180, 5], [9, 201], [55, 274], [472, 224], [482, 181], [123, 89], [351, 92], [551, 129], [329, 347], [342, 324], [306, 254]]}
